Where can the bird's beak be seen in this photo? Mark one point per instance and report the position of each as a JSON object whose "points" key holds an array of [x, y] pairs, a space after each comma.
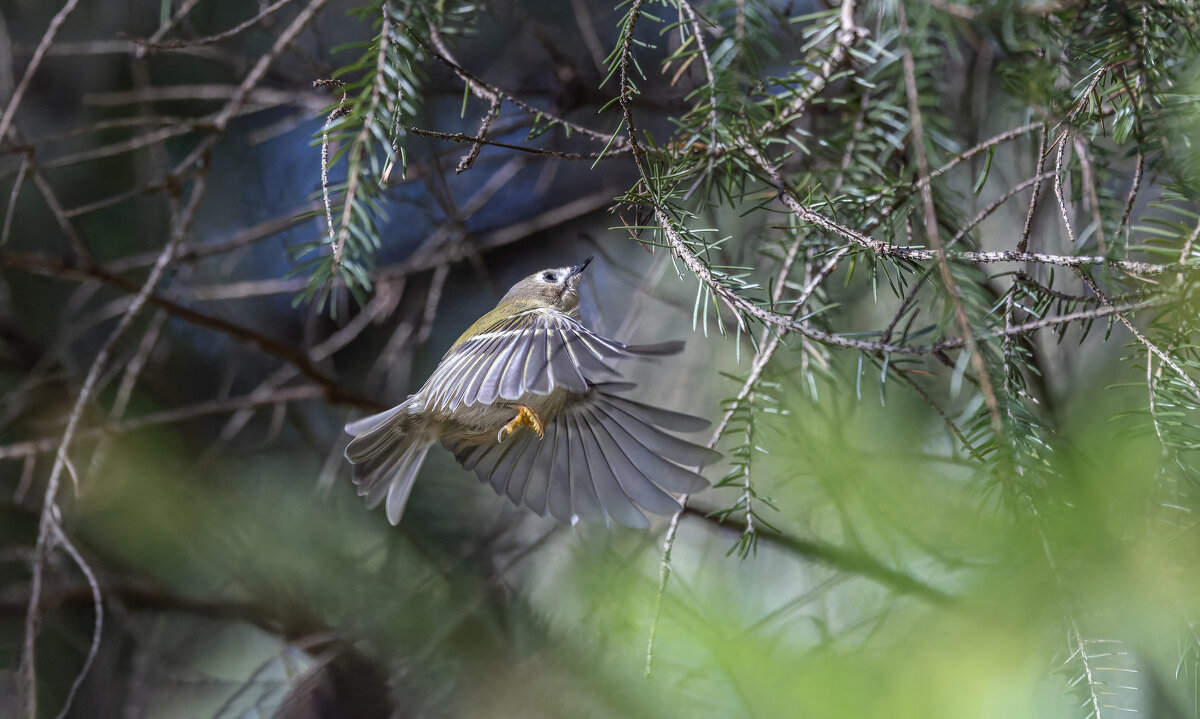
{"points": [[579, 268]]}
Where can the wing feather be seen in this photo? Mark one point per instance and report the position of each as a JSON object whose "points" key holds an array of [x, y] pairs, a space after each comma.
{"points": [[537, 375], [632, 482], [523, 469], [567, 458], [587, 475], [616, 501], [635, 414], [664, 473], [665, 418], [517, 447], [538, 489], [485, 373], [469, 456], [535, 351], [602, 456], [512, 375]]}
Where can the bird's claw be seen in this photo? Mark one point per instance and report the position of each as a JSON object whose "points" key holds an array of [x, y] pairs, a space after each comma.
{"points": [[526, 417]]}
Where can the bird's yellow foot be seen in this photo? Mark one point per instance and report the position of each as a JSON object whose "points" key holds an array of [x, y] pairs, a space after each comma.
{"points": [[526, 417]]}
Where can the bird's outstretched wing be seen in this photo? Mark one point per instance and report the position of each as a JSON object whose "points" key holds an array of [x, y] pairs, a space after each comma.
{"points": [[534, 351], [602, 456]]}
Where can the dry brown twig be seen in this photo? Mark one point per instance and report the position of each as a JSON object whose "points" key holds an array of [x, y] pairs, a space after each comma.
{"points": [[933, 233], [50, 531], [48, 525], [157, 44], [56, 23]]}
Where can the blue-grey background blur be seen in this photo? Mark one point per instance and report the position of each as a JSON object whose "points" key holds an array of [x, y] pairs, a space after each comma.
{"points": [[900, 577]]}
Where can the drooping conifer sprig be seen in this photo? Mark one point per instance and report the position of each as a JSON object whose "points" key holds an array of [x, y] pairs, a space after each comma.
{"points": [[362, 142], [746, 423]]}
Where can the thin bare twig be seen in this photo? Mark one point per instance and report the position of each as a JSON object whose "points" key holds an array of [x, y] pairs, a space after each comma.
{"points": [[1185, 254], [482, 89], [184, 9], [1088, 178], [33, 447], [988, 144], [262, 97], [476, 140], [1133, 193], [97, 623], [485, 125], [255, 76], [934, 235], [1140, 136], [83, 256], [133, 368], [1058, 189], [1023, 243], [210, 39], [848, 35], [897, 201], [1036, 181], [246, 236], [144, 190], [941, 413], [12, 200], [905, 304], [334, 114], [244, 89], [48, 522], [39, 52], [1153, 348], [421, 262], [709, 75], [584, 20], [153, 137], [266, 343]]}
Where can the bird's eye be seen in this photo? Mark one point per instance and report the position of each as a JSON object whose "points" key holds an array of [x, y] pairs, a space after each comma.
{"points": [[549, 277]]}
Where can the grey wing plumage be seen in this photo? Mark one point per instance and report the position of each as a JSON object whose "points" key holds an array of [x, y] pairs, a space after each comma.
{"points": [[530, 352], [603, 456]]}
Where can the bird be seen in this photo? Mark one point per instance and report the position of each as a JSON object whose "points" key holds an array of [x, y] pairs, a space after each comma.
{"points": [[530, 400]]}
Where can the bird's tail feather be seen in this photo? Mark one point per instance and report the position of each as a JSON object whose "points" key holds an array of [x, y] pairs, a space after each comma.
{"points": [[387, 453]]}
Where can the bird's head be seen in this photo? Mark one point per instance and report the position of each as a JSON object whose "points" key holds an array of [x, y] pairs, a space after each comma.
{"points": [[556, 288]]}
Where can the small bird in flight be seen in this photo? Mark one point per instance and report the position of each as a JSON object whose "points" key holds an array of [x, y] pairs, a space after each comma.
{"points": [[526, 398]]}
